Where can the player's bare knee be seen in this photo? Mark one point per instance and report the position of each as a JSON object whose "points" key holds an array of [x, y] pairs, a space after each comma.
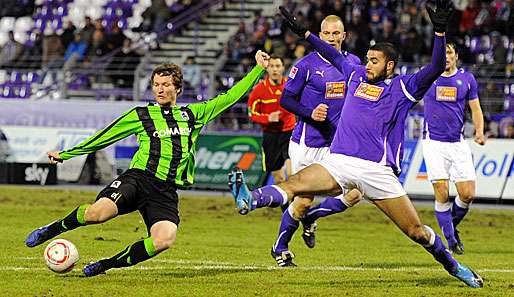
{"points": [[300, 206], [467, 197], [100, 212], [441, 187], [418, 234], [353, 197], [162, 243], [93, 216]]}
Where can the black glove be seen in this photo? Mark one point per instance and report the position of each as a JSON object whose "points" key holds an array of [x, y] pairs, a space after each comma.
{"points": [[440, 12], [292, 22]]}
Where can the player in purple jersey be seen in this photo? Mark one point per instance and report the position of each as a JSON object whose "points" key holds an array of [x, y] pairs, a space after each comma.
{"points": [[447, 155], [367, 145], [315, 92]]}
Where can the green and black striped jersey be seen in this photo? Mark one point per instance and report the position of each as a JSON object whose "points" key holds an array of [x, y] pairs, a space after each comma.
{"points": [[166, 135]]}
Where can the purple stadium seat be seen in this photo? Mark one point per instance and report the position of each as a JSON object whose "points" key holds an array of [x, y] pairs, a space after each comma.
{"points": [[16, 77]]}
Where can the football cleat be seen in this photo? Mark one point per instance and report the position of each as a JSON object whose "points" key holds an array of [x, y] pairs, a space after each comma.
{"points": [[458, 248], [309, 234], [39, 236], [240, 191], [283, 259], [94, 268], [468, 276]]}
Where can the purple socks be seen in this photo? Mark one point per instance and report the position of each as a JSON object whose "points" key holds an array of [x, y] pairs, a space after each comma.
{"points": [[438, 250], [288, 226], [325, 208], [459, 210], [444, 218], [268, 196]]}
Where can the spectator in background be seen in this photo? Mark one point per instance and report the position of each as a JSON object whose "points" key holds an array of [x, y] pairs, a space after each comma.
{"points": [[508, 104], [11, 51], [52, 56], [299, 53], [88, 29], [491, 129], [123, 65], [5, 150], [98, 46], [410, 47], [291, 5], [387, 34], [357, 24], [115, 39], [32, 54], [499, 50], [356, 44], [337, 8], [509, 131], [67, 35], [76, 52], [258, 21], [155, 16], [192, 74], [377, 15], [507, 127]]}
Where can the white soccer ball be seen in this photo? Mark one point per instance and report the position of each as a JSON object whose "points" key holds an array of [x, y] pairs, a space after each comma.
{"points": [[61, 255]]}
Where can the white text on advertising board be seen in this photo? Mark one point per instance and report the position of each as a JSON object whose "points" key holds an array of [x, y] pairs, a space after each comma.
{"points": [[216, 160]]}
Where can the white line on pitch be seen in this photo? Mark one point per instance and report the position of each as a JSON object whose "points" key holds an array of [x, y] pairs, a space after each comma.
{"points": [[184, 264]]}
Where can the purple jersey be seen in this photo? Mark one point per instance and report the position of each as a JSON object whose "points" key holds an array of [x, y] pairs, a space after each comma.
{"points": [[312, 81], [445, 102], [373, 117]]}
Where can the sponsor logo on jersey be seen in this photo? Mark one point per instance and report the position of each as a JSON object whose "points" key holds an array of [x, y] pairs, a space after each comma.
{"points": [[368, 92], [293, 72], [171, 132], [320, 73], [334, 90], [448, 94], [116, 184]]}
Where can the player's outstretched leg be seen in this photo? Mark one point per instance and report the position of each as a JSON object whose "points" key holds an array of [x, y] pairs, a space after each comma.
{"points": [[401, 211], [327, 207], [246, 201], [442, 255], [133, 254], [73, 220]]}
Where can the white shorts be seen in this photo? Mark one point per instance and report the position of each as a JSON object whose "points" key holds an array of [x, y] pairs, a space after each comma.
{"points": [[302, 156], [373, 180], [448, 160]]}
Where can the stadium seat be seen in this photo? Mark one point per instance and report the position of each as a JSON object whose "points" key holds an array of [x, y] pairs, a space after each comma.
{"points": [[23, 24], [7, 24]]}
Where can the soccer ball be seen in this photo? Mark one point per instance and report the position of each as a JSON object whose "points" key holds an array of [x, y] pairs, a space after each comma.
{"points": [[61, 255]]}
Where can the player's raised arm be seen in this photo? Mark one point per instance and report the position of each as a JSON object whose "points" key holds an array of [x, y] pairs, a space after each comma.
{"points": [[328, 52], [209, 110], [439, 12], [126, 125]]}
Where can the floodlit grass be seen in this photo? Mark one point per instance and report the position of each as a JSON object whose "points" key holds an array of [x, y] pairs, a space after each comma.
{"points": [[220, 253]]}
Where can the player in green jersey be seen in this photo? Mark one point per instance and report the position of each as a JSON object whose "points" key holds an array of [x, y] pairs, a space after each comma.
{"points": [[167, 136]]}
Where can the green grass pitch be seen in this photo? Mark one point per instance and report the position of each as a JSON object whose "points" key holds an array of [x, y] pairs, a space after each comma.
{"points": [[221, 253]]}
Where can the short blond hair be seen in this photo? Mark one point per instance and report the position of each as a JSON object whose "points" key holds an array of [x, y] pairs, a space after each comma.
{"points": [[332, 19]]}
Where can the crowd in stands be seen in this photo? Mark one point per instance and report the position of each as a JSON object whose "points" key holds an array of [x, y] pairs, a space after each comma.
{"points": [[57, 44], [482, 30]]}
